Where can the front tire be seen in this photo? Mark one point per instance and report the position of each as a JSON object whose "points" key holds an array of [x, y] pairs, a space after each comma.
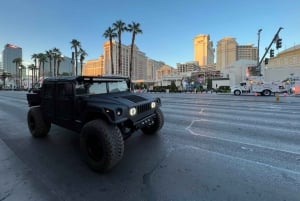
{"points": [[38, 127], [267, 93], [157, 125], [102, 145]]}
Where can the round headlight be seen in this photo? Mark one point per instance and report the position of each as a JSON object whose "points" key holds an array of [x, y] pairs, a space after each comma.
{"points": [[132, 111], [153, 104]]}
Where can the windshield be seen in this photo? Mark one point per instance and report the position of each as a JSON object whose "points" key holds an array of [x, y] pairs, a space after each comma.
{"points": [[101, 87]]}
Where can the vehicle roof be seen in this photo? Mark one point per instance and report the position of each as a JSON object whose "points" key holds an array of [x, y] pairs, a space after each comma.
{"points": [[86, 78]]}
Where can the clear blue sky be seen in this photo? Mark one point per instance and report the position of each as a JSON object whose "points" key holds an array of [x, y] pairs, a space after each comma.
{"points": [[168, 26]]}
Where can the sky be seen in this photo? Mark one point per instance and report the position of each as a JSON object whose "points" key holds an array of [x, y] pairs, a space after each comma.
{"points": [[168, 26]]}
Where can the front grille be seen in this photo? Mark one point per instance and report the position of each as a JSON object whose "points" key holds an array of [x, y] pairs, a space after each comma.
{"points": [[143, 108]]}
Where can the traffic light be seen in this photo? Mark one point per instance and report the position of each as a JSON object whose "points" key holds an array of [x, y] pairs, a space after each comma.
{"points": [[266, 61], [271, 53], [278, 43]]}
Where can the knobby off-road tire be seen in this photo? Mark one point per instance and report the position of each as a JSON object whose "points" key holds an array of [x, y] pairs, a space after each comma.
{"points": [[158, 124], [102, 145], [38, 127]]}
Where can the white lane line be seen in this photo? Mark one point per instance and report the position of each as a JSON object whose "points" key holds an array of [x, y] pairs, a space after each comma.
{"points": [[189, 128]]}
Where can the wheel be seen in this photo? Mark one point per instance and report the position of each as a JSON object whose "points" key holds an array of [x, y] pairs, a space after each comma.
{"points": [[37, 125], [102, 145], [237, 92], [266, 93], [158, 124]]}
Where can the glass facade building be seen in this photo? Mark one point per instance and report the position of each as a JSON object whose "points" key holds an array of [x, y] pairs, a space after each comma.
{"points": [[10, 53]]}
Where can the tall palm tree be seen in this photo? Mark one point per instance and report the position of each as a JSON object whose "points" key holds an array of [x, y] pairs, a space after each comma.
{"points": [[82, 54], [120, 27], [34, 57], [134, 28], [49, 54], [76, 45], [18, 62], [110, 34], [59, 60], [42, 59], [56, 55], [31, 67]]}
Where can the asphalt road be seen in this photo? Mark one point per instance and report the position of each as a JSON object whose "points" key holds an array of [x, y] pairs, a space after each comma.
{"points": [[212, 147]]}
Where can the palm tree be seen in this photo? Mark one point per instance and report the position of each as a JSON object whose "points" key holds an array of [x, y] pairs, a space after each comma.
{"points": [[120, 27], [34, 57], [18, 62], [31, 67], [49, 54], [82, 54], [42, 59], [76, 45], [56, 54], [59, 60], [110, 33], [21, 67], [134, 28]]}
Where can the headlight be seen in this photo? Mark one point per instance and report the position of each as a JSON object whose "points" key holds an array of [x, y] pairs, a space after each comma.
{"points": [[132, 111], [153, 105]]}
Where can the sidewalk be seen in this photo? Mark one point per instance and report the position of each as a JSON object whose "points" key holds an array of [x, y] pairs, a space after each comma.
{"points": [[17, 182]]}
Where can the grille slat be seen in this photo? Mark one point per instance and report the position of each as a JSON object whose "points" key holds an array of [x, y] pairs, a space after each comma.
{"points": [[143, 108]]}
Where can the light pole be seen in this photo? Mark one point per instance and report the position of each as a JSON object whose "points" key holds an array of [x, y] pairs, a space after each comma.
{"points": [[258, 34], [20, 76]]}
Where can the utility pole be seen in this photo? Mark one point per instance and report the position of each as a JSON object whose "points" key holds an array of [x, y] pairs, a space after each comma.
{"points": [[275, 38], [258, 36]]}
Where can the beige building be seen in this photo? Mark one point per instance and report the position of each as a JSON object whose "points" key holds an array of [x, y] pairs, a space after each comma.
{"points": [[94, 67], [283, 65], [226, 52], [102, 65], [152, 67], [188, 67], [247, 52], [203, 50], [163, 71], [139, 60]]}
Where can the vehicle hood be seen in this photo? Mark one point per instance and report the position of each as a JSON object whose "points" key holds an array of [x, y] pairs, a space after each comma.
{"points": [[124, 98]]}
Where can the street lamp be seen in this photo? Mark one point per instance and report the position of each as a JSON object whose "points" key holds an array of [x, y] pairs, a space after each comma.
{"points": [[20, 76], [258, 34]]}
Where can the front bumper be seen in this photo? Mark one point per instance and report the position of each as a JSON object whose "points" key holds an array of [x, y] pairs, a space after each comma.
{"points": [[147, 121]]}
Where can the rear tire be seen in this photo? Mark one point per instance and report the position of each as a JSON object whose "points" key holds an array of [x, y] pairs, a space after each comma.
{"points": [[237, 92], [102, 145], [38, 127], [158, 124]]}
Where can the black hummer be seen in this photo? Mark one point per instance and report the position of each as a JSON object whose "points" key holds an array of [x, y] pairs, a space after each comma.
{"points": [[102, 109]]}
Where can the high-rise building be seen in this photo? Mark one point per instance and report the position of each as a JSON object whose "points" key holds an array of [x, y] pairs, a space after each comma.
{"points": [[228, 51], [9, 54], [203, 50], [152, 67], [94, 67], [188, 67], [139, 63], [248, 52]]}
